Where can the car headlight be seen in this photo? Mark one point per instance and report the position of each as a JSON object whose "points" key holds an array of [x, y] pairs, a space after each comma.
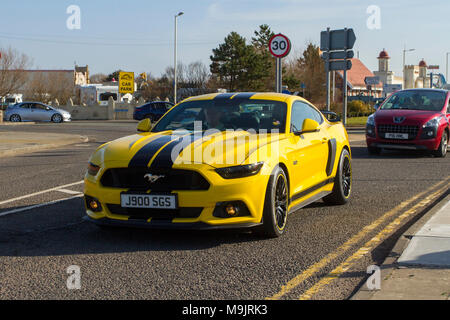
{"points": [[371, 120], [93, 169], [240, 171], [433, 122]]}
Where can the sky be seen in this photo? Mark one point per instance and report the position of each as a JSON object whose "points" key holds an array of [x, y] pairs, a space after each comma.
{"points": [[138, 35]]}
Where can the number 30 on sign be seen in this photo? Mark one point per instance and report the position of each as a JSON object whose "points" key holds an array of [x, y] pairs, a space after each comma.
{"points": [[279, 45]]}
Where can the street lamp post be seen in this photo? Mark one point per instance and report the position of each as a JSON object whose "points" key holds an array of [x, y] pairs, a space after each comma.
{"points": [[404, 52], [175, 61], [446, 67]]}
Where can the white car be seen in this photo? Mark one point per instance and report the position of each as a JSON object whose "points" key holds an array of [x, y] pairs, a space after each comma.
{"points": [[35, 111]]}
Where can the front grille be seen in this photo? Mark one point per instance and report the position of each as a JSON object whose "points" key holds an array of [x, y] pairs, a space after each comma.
{"points": [[393, 128], [157, 214], [173, 179]]}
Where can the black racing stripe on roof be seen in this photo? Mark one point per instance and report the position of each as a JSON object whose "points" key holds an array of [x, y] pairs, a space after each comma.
{"points": [[164, 158], [143, 156], [244, 95], [223, 96]]}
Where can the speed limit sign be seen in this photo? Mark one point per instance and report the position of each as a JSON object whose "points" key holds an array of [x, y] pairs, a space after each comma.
{"points": [[279, 45]]}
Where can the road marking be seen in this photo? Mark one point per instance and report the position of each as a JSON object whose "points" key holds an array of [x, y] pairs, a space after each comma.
{"points": [[2, 214], [41, 192], [68, 191], [369, 246], [315, 268]]}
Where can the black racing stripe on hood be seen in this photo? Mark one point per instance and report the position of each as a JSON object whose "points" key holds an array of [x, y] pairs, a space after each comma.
{"points": [[144, 155], [164, 158]]}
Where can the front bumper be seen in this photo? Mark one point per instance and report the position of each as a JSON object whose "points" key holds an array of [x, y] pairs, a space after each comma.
{"points": [[419, 143], [163, 225], [250, 191]]}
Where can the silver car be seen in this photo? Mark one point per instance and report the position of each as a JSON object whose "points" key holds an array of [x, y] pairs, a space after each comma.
{"points": [[35, 111]]}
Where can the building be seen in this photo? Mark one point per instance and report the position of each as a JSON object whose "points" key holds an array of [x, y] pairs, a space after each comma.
{"points": [[416, 76], [356, 86], [387, 76]]}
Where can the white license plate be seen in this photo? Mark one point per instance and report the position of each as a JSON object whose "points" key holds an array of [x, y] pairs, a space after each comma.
{"points": [[150, 201], [396, 135]]}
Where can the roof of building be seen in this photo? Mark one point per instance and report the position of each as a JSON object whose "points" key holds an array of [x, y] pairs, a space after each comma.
{"points": [[357, 74], [383, 55], [81, 69], [41, 70], [422, 63]]}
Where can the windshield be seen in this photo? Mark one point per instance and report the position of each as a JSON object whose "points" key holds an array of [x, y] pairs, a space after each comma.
{"points": [[428, 100], [258, 115]]}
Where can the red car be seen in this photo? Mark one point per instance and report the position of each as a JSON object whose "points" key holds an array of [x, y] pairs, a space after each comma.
{"points": [[413, 119]]}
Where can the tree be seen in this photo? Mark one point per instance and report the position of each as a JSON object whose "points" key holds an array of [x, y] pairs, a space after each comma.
{"points": [[228, 61], [12, 71], [114, 75], [196, 75], [261, 44], [312, 73], [48, 86], [238, 66], [97, 78]]}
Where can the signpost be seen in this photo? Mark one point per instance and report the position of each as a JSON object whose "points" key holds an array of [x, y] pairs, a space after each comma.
{"points": [[279, 47], [126, 82], [391, 88], [336, 46]]}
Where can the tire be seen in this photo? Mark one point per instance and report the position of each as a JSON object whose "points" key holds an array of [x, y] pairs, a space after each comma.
{"points": [[275, 217], [15, 118], [374, 150], [441, 152], [57, 118], [342, 188]]}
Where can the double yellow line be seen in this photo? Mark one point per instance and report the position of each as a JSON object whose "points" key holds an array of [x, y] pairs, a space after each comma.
{"points": [[429, 195]]}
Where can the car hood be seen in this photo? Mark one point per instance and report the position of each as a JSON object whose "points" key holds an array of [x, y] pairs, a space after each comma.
{"points": [[165, 149], [411, 116]]}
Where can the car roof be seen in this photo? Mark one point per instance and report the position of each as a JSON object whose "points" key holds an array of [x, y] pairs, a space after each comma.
{"points": [[425, 89], [248, 95]]}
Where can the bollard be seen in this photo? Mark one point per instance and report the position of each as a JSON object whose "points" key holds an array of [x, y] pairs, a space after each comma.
{"points": [[1, 116]]}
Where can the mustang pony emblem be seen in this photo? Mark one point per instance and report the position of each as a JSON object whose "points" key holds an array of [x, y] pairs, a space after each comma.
{"points": [[152, 177]]}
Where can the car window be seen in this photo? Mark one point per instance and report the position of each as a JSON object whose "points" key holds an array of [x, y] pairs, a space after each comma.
{"points": [[39, 106], [244, 114], [448, 106], [430, 100], [302, 111], [25, 105]]}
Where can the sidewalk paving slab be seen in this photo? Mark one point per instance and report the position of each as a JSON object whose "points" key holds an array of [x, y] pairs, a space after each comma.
{"points": [[430, 246], [14, 143], [418, 267]]}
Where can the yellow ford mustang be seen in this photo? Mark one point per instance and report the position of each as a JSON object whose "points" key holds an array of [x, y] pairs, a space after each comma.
{"points": [[221, 160]]}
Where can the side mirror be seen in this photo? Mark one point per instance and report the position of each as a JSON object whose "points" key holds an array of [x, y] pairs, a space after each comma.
{"points": [[309, 125], [331, 116], [144, 125]]}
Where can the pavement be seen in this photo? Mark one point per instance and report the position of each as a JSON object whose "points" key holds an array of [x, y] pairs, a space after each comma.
{"points": [[14, 143], [418, 268], [323, 255]]}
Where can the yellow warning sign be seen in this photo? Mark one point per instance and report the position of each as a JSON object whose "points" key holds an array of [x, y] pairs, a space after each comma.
{"points": [[126, 82]]}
